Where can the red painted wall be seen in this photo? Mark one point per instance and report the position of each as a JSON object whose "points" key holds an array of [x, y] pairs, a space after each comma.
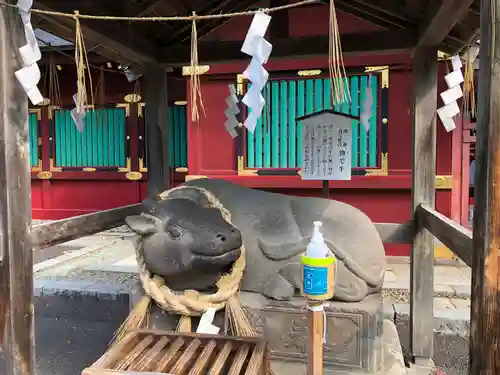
{"points": [[212, 152]]}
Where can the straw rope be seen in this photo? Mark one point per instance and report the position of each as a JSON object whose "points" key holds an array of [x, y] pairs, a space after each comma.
{"points": [[193, 17], [338, 82], [192, 303]]}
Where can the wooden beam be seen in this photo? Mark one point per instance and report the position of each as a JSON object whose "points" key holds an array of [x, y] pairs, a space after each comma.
{"points": [[213, 52], [454, 236], [16, 271], [212, 25], [485, 301], [185, 30], [155, 96], [423, 192], [440, 19], [60, 231], [136, 49]]}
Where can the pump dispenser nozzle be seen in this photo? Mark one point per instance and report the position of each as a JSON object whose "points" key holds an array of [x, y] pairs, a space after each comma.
{"points": [[317, 247]]}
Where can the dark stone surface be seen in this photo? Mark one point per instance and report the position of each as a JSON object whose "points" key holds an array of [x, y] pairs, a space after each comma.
{"points": [[74, 327]]}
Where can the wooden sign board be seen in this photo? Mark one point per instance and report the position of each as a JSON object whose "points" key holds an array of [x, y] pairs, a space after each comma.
{"points": [[326, 146]]}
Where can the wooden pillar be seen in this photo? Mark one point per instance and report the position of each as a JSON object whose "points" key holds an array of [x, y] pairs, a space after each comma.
{"points": [[485, 304], [423, 191], [16, 271], [157, 142]]}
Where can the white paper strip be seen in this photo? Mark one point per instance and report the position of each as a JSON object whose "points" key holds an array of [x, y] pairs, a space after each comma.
{"points": [[448, 122], [257, 29], [454, 78], [231, 112], [260, 49], [29, 75], [456, 62], [452, 95], [367, 106]]}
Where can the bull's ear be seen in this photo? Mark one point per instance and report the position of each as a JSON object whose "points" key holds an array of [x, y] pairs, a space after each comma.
{"points": [[141, 224]]}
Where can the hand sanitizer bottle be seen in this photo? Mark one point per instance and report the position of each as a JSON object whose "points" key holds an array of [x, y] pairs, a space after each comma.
{"points": [[318, 267]]}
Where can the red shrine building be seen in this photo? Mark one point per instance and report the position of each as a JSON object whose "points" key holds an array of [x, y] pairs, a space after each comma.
{"points": [[105, 166]]}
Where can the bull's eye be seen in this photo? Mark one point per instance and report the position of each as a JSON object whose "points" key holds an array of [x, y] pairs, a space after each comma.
{"points": [[175, 232]]}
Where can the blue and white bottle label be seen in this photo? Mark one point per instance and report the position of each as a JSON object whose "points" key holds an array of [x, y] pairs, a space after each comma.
{"points": [[315, 280]]}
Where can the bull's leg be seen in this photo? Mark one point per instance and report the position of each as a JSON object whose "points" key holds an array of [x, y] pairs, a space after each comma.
{"points": [[279, 288]]}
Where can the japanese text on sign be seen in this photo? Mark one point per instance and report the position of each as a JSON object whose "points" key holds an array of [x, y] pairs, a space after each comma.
{"points": [[326, 148]]}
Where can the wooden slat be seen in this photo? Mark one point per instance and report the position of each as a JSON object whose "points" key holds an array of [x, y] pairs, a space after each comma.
{"points": [[424, 175], [60, 231], [135, 353], [239, 360], [454, 236], [150, 356], [187, 358], [170, 356], [16, 255], [256, 360], [485, 302], [219, 362], [203, 360]]}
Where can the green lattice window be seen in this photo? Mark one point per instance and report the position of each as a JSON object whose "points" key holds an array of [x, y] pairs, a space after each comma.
{"points": [[177, 137], [101, 144], [277, 141], [33, 139]]}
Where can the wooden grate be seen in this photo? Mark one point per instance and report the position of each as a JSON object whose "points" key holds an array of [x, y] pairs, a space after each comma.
{"points": [[160, 352]]}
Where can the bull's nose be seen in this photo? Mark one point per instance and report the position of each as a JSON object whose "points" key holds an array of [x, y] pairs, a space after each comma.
{"points": [[221, 238]]}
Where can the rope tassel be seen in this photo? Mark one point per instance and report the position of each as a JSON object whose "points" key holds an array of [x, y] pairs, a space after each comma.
{"points": [[195, 90], [338, 82], [81, 61]]}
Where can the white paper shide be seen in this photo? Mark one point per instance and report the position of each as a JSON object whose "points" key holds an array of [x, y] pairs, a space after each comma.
{"points": [[366, 114], [231, 112], [260, 49], [29, 75], [326, 147], [450, 107]]}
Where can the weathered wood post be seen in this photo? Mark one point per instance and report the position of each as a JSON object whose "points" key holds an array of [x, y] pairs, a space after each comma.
{"points": [[423, 191], [485, 305], [15, 203], [157, 141]]}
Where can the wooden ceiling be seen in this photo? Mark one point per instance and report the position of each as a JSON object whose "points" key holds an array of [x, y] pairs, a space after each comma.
{"points": [[451, 24]]}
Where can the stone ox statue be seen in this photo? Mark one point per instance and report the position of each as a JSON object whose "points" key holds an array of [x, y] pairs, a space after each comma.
{"points": [[191, 244]]}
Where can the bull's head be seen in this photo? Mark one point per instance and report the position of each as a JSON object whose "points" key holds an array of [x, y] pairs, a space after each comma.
{"points": [[182, 234]]}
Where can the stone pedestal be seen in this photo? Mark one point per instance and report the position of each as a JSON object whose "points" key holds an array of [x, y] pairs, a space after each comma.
{"points": [[353, 331]]}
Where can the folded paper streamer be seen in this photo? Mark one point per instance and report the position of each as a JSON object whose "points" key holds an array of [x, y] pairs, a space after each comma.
{"points": [[366, 114], [78, 114], [29, 75], [450, 108], [231, 112], [260, 49]]}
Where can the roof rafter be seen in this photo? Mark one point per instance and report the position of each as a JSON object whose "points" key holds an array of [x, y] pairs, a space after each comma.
{"points": [[440, 20], [135, 50], [211, 52]]}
